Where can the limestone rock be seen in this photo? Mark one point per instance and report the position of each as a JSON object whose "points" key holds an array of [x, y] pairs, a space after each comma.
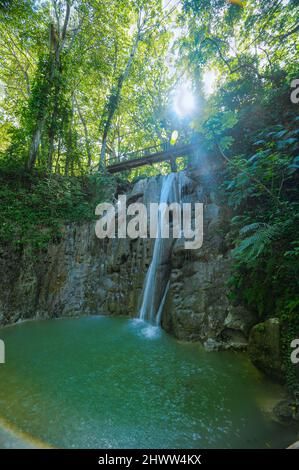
{"points": [[82, 275], [211, 345], [286, 411], [239, 319], [264, 348]]}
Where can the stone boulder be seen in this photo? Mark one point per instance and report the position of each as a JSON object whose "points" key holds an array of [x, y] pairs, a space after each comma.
{"points": [[286, 411], [264, 348]]}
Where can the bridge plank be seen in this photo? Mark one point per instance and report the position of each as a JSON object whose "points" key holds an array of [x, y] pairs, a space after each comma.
{"points": [[172, 152]]}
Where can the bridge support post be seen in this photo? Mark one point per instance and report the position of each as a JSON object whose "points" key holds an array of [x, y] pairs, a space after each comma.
{"points": [[173, 164]]}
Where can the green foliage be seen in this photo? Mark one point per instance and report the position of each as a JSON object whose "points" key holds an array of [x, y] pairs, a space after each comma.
{"points": [[263, 189], [250, 121], [96, 85], [35, 209], [66, 80], [253, 245]]}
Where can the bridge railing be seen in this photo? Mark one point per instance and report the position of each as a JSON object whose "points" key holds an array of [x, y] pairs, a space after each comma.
{"points": [[163, 147], [166, 146]]}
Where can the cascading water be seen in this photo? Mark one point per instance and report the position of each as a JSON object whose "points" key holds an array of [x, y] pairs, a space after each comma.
{"points": [[156, 286]]}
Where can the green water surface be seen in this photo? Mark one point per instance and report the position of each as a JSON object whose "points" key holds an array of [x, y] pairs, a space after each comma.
{"points": [[103, 382]]}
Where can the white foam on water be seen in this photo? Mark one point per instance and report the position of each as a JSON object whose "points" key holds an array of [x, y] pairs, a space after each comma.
{"points": [[144, 329], [151, 332]]}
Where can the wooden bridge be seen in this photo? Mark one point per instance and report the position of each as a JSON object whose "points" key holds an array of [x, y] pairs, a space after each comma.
{"points": [[148, 156]]}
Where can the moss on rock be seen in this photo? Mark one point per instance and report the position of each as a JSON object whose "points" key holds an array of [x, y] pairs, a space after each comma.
{"points": [[264, 348]]}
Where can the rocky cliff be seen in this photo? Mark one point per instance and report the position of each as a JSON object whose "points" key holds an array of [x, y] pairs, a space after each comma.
{"points": [[83, 275]]}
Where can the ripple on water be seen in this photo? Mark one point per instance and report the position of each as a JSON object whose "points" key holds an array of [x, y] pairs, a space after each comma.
{"points": [[103, 382]]}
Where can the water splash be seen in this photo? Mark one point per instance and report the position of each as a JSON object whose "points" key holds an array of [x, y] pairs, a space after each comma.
{"points": [[160, 311], [144, 329]]}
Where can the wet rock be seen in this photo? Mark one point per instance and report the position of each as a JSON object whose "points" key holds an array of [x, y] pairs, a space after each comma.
{"points": [[286, 411], [211, 345], [264, 348], [240, 319], [84, 275]]}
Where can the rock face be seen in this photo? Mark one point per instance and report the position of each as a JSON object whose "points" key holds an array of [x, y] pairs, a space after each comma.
{"points": [[198, 307], [83, 275], [286, 411], [264, 348]]}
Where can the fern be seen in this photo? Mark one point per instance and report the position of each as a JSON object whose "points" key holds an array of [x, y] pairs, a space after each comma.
{"points": [[253, 246], [251, 227]]}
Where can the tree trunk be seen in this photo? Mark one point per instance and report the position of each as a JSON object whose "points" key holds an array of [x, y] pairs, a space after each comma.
{"points": [[57, 66], [57, 166], [52, 129], [69, 163], [87, 144], [114, 99], [36, 138], [35, 143], [55, 46]]}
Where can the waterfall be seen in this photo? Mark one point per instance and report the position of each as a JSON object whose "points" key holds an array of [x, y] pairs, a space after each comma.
{"points": [[156, 285], [160, 311]]}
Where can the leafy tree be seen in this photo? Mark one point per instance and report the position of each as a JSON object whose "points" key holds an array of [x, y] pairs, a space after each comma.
{"points": [[251, 123]]}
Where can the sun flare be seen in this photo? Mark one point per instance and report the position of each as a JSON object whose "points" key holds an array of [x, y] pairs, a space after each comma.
{"points": [[184, 102]]}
